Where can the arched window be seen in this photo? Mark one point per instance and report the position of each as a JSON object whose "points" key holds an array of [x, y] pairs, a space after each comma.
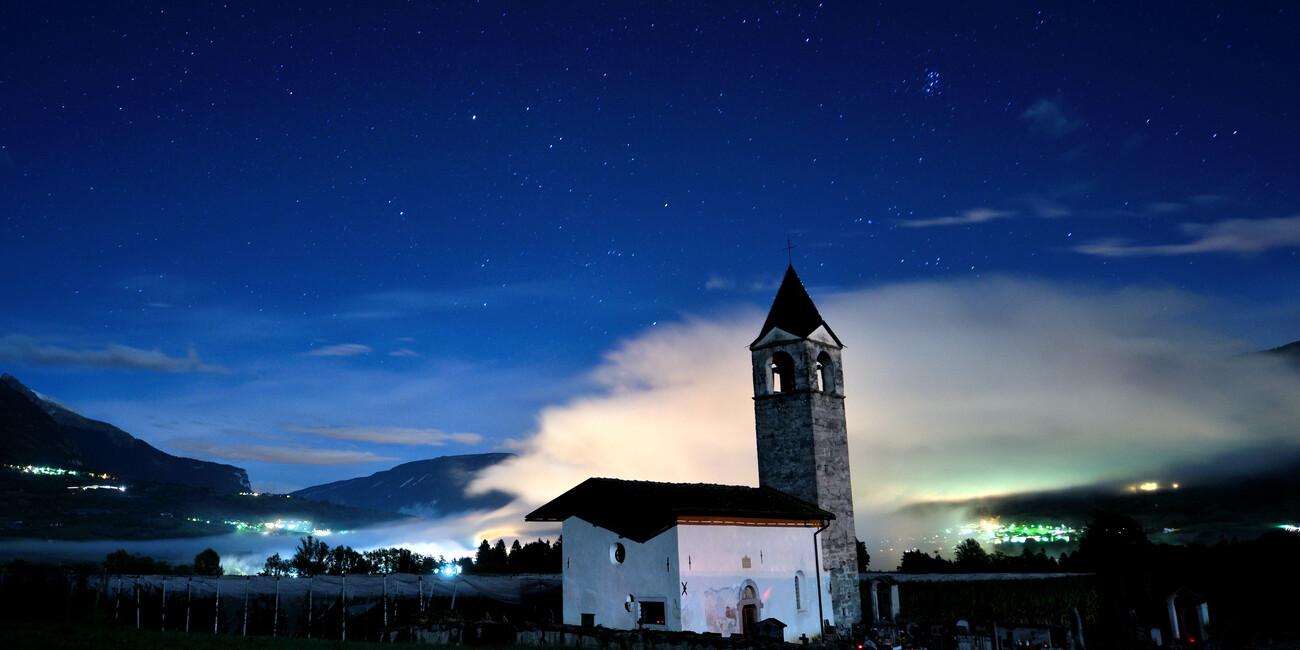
{"points": [[781, 366], [825, 372], [800, 603]]}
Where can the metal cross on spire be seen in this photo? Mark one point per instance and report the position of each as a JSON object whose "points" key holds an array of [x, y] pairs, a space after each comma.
{"points": [[789, 247]]}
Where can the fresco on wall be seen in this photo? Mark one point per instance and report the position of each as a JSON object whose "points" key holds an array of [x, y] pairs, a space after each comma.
{"points": [[719, 611]]}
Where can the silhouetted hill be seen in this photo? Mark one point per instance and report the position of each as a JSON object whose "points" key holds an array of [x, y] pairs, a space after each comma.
{"points": [[28, 435], [61, 507], [425, 488], [1290, 352], [66, 439], [1242, 506]]}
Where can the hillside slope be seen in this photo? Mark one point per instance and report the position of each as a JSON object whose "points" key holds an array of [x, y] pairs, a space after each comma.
{"points": [[66, 439], [425, 488]]}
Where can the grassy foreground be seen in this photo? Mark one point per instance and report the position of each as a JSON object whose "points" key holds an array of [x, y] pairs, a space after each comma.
{"points": [[22, 635]]}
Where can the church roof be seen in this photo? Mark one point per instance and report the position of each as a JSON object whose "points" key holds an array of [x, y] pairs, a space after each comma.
{"points": [[640, 510], [793, 311]]}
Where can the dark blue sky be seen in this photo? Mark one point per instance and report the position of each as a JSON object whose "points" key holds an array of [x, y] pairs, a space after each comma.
{"points": [[308, 240]]}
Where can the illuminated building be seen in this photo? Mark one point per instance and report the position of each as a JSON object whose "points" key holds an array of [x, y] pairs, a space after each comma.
{"points": [[692, 557], [732, 559]]}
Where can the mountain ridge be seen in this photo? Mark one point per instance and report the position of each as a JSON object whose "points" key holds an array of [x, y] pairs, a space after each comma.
{"points": [[64, 438], [406, 488]]}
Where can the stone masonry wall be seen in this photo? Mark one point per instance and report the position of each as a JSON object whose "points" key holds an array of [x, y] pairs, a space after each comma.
{"points": [[594, 638], [802, 439]]}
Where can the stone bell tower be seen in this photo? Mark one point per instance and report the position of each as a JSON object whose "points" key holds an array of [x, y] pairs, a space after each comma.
{"points": [[803, 443]]}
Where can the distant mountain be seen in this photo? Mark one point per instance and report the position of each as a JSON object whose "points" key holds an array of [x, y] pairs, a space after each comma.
{"points": [[28, 435], [1290, 352], [1243, 505], [425, 488], [63, 438]]}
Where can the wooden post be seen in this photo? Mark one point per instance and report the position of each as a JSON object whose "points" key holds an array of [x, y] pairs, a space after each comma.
{"points": [[247, 580], [275, 620], [216, 608]]}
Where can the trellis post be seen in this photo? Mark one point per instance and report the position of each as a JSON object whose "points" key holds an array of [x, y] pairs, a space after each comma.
{"points": [[275, 620]]}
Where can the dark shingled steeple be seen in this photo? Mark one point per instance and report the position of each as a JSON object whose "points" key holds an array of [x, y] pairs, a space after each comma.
{"points": [[793, 311]]}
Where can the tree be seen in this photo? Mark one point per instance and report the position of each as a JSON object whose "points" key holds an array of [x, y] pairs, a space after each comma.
{"points": [[395, 560], [277, 566], [344, 560], [1110, 541], [864, 558], [484, 554], [535, 557], [121, 562], [918, 561], [970, 556], [309, 560], [208, 563], [491, 558]]}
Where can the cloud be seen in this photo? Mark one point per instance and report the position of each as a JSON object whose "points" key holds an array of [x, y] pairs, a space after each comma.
{"points": [[1243, 236], [390, 435], [292, 455], [954, 391], [976, 215], [1165, 207], [18, 348], [401, 303], [718, 283], [1046, 116], [407, 353], [340, 350]]}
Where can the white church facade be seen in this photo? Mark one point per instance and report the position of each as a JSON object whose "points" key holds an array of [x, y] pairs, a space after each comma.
{"points": [[732, 559], [686, 556]]}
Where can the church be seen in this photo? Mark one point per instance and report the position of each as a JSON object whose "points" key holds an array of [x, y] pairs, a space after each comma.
{"points": [[780, 558]]}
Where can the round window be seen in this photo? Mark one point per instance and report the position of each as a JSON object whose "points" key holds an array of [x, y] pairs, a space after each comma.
{"points": [[617, 553]]}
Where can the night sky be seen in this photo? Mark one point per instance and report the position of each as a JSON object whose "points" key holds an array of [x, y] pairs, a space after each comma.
{"points": [[318, 241]]}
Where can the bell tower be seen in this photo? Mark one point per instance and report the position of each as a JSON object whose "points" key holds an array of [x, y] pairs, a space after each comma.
{"points": [[803, 442]]}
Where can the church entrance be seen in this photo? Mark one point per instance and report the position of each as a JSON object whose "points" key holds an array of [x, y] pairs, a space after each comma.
{"points": [[749, 605], [749, 614]]}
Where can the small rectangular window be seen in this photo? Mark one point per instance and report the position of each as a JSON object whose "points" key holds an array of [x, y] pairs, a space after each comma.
{"points": [[652, 612], [588, 620]]}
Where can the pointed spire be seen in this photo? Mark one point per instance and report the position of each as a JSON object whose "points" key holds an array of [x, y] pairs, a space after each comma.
{"points": [[793, 310]]}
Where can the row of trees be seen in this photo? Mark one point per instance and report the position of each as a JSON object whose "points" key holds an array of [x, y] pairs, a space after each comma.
{"points": [[540, 556], [120, 562], [1108, 540], [970, 557], [314, 557]]}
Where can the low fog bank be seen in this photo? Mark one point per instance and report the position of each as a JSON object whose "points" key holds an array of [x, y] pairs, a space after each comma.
{"points": [[954, 391], [246, 553]]}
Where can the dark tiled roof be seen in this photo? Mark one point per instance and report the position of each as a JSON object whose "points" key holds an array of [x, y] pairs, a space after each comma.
{"points": [[792, 310], [640, 510]]}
